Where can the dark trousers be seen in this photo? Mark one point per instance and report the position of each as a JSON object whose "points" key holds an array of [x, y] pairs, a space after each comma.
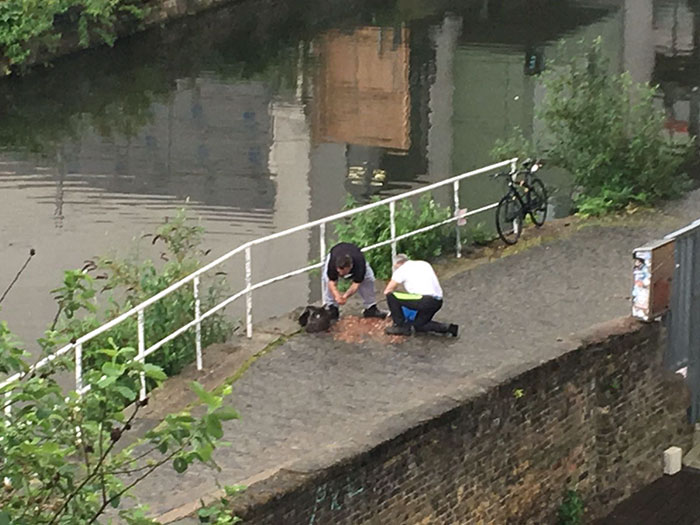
{"points": [[426, 307]]}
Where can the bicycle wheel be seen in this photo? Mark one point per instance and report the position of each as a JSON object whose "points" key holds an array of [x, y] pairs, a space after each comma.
{"points": [[509, 219], [538, 202]]}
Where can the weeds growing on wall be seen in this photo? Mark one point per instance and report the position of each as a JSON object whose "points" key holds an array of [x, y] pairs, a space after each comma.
{"points": [[218, 512], [571, 509], [606, 130], [109, 286]]}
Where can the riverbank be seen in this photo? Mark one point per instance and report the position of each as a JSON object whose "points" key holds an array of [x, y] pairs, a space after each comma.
{"points": [[63, 37], [306, 395], [158, 14]]}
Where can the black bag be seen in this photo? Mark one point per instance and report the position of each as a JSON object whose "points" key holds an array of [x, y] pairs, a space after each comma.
{"points": [[315, 319]]}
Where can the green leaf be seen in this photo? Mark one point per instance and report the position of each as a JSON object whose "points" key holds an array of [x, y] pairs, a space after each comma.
{"points": [[232, 490], [205, 513], [226, 413], [204, 451], [206, 397], [180, 465], [126, 392], [213, 425], [154, 372], [112, 369], [109, 352], [106, 381], [4, 518]]}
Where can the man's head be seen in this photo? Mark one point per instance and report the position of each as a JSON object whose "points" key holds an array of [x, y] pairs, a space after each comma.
{"points": [[343, 265], [399, 260]]}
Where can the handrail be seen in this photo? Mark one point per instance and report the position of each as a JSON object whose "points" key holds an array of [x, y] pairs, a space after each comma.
{"points": [[139, 309]]}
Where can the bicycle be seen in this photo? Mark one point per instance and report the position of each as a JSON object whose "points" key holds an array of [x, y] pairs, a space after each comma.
{"points": [[529, 196]]}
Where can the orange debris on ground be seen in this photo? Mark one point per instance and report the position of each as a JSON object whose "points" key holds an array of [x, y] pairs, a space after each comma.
{"points": [[352, 329]]}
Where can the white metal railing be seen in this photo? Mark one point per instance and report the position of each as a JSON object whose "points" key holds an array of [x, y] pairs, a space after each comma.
{"points": [[194, 278]]}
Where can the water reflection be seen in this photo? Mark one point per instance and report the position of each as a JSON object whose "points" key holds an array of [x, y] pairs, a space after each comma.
{"points": [[677, 62], [362, 99], [269, 117]]}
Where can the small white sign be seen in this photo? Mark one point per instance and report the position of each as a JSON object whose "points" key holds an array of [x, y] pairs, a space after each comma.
{"points": [[672, 460], [462, 220]]}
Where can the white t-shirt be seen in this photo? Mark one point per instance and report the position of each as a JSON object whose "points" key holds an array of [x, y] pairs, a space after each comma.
{"points": [[418, 277]]}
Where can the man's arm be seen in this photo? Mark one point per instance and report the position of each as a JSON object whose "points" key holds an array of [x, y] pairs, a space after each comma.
{"points": [[351, 291], [333, 287], [390, 287]]}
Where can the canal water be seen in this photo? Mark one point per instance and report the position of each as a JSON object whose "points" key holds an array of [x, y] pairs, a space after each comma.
{"points": [[254, 116]]}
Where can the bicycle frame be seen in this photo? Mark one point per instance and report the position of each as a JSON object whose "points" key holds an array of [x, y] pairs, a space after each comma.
{"points": [[526, 204]]}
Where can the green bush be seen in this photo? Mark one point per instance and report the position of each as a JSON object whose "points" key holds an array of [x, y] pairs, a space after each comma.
{"points": [[27, 26], [516, 145], [606, 131], [67, 458], [478, 235], [372, 226], [128, 282]]}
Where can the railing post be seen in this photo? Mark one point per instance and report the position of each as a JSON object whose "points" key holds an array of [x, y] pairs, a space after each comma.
{"points": [[392, 223], [458, 240], [78, 382], [249, 293], [198, 326], [142, 350], [322, 252]]}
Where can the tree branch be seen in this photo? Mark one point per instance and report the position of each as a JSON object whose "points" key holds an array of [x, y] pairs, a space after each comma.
{"points": [[90, 476], [132, 485]]}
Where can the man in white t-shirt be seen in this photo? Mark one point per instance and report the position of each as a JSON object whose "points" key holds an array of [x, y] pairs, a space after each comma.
{"points": [[423, 295]]}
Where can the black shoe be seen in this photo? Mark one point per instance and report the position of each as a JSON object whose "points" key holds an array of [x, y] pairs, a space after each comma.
{"points": [[373, 311], [453, 329], [398, 330], [334, 311]]}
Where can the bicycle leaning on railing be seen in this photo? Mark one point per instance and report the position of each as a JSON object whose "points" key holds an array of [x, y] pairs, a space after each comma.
{"points": [[525, 196]]}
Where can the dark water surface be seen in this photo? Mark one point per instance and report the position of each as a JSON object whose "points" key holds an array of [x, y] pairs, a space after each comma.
{"points": [[256, 114]]}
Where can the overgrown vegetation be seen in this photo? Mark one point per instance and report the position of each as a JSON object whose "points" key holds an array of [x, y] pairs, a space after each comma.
{"points": [[84, 305], [373, 226], [218, 513], [605, 130], [571, 509], [28, 27], [478, 235], [62, 457]]}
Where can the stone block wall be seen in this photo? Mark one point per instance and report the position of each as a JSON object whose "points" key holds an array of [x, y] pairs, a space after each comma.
{"points": [[595, 419]]}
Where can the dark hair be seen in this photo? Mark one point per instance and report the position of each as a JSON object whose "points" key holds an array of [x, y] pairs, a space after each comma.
{"points": [[344, 261]]}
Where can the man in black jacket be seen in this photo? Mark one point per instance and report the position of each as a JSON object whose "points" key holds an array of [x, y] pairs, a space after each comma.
{"points": [[346, 260]]}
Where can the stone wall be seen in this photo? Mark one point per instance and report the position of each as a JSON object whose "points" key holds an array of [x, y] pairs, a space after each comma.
{"points": [[595, 419]]}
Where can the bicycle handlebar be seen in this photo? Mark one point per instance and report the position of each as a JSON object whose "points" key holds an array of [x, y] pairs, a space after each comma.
{"points": [[524, 168]]}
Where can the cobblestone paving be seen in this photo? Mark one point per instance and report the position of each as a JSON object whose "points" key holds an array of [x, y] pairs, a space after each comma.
{"points": [[313, 393]]}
